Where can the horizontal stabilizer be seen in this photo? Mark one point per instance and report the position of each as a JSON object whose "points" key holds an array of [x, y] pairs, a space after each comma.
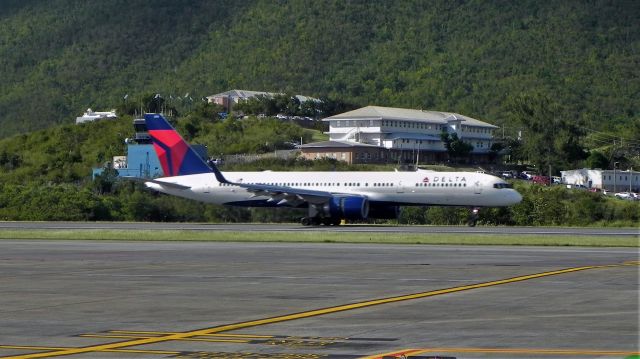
{"points": [[168, 184], [161, 183]]}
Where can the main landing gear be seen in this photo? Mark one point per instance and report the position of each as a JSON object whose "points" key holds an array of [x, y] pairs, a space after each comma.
{"points": [[316, 221], [473, 217], [318, 215]]}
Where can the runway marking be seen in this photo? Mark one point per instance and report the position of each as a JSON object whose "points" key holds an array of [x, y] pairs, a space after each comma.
{"points": [[121, 336], [397, 354], [246, 336], [200, 354], [257, 336], [128, 351], [432, 351], [273, 340], [302, 315]]}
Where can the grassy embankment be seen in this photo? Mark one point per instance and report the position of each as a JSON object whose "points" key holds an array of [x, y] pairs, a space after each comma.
{"points": [[324, 237]]}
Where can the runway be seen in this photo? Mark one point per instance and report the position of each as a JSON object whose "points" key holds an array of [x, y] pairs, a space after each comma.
{"points": [[251, 227], [98, 299]]}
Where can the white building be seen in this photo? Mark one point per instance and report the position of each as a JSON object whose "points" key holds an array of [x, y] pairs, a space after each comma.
{"points": [[408, 132], [90, 116], [228, 98], [617, 181]]}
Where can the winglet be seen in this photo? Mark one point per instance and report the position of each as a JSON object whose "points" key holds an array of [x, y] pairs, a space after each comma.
{"points": [[176, 156]]}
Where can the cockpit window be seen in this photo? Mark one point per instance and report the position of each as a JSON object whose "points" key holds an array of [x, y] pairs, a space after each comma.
{"points": [[502, 185]]}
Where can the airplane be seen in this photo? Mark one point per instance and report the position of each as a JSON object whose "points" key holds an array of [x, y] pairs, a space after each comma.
{"points": [[329, 196]]}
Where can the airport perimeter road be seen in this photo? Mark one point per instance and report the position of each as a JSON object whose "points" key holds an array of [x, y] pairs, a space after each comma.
{"points": [[569, 231], [100, 299]]}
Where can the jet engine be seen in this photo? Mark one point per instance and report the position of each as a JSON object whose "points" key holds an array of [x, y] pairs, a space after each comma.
{"points": [[347, 207]]}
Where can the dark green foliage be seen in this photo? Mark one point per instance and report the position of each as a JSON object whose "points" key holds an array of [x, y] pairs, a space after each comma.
{"points": [[58, 58], [456, 148], [550, 140], [63, 154], [597, 160], [48, 202], [545, 68], [231, 136], [289, 105]]}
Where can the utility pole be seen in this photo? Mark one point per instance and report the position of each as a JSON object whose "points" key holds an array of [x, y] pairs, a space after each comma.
{"points": [[615, 164]]}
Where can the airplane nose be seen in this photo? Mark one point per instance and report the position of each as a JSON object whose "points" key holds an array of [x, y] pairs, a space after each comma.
{"points": [[516, 197]]}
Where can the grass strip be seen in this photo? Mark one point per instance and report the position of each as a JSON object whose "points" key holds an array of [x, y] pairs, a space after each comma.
{"points": [[322, 237]]}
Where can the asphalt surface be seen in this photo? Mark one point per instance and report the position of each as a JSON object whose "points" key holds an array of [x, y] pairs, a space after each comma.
{"points": [[261, 300], [570, 231]]}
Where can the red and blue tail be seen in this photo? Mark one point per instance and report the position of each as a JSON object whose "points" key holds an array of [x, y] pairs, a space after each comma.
{"points": [[176, 156]]}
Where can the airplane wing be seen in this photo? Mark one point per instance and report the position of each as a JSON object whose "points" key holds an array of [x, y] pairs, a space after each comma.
{"points": [[280, 194], [286, 195]]}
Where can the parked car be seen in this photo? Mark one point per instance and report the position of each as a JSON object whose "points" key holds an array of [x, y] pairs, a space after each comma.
{"points": [[577, 186], [543, 180], [624, 195], [526, 175], [506, 174]]}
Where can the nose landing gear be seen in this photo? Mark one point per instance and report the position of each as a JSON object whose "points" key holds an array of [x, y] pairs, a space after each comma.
{"points": [[473, 217]]}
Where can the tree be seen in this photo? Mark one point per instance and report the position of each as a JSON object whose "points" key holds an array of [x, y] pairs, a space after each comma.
{"points": [[494, 151], [550, 139], [597, 160], [103, 183], [514, 150], [456, 148]]}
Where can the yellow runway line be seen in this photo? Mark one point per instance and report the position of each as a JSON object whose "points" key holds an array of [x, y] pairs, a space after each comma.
{"points": [[244, 336], [131, 351]]}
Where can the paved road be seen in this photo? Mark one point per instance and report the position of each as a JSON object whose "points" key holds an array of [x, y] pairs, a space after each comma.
{"points": [[95, 299], [570, 231]]}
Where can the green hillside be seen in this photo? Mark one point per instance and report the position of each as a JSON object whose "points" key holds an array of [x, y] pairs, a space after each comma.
{"points": [[58, 58]]}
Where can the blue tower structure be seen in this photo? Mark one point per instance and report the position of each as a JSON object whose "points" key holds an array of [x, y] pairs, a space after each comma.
{"points": [[142, 162]]}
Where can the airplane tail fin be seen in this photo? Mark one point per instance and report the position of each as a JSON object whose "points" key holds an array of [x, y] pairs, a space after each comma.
{"points": [[176, 156]]}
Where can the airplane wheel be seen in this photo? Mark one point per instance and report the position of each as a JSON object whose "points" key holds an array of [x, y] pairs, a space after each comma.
{"points": [[306, 221], [315, 221], [473, 218], [336, 221]]}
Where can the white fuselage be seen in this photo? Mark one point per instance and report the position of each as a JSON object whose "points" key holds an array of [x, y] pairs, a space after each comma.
{"points": [[420, 187]]}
